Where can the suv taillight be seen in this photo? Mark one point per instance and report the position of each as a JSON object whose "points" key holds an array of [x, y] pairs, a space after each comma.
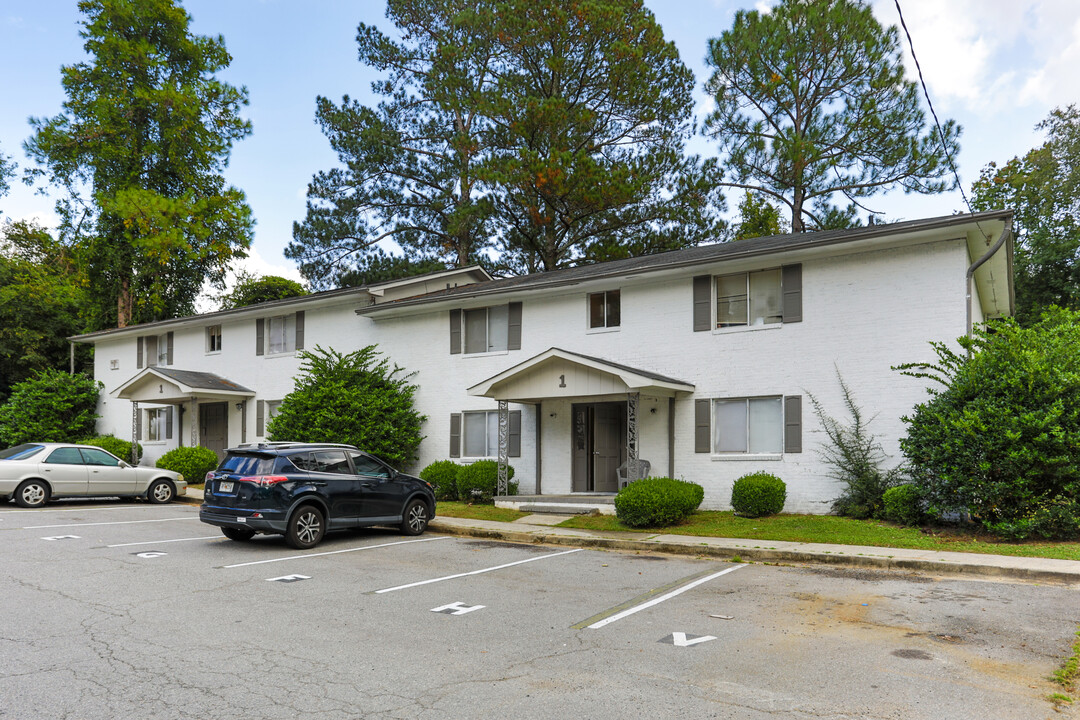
{"points": [[264, 479]]}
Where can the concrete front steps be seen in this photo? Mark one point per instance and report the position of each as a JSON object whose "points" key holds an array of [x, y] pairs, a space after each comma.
{"points": [[576, 504]]}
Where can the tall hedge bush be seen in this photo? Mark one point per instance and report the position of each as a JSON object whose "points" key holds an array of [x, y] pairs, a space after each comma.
{"points": [[999, 437], [51, 406], [357, 398]]}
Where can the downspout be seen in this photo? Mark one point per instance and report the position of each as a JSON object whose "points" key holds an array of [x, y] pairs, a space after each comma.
{"points": [[1006, 233], [71, 358]]}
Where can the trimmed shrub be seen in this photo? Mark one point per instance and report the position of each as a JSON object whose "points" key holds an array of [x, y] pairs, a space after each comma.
{"points": [[476, 483], [111, 443], [191, 462], [758, 494], [657, 502], [443, 475], [52, 406], [903, 504]]}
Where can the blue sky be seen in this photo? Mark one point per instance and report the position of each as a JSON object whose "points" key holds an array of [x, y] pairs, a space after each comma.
{"points": [[996, 66]]}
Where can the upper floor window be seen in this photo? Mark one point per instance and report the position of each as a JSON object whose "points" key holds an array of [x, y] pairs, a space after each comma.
{"points": [[604, 309], [748, 299], [154, 350], [213, 339], [488, 329], [279, 334]]}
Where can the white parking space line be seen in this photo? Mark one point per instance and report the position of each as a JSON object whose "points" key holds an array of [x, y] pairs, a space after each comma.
{"points": [[118, 522], [660, 599], [161, 542], [476, 572], [84, 509], [333, 552]]}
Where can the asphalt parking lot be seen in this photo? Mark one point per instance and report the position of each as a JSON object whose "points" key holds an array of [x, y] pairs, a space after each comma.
{"points": [[121, 610]]}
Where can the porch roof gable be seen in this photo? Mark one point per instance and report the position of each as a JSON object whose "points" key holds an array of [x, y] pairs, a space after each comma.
{"points": [[168, 385], [561, 373]]}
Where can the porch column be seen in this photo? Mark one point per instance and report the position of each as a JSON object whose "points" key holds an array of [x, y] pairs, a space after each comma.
{"points": [[502, 487], [194, 422], [134, 432], [633, 472]]}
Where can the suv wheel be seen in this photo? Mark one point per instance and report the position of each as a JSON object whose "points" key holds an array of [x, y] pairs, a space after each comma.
{"points": [[306, 528], [415, 519]]}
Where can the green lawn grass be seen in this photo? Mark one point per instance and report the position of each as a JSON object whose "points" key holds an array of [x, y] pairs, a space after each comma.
{"points": [[446, 508], [837, 530]]}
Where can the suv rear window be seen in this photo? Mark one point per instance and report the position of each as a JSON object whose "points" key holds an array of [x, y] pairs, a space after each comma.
{"points": [[248, 464]]}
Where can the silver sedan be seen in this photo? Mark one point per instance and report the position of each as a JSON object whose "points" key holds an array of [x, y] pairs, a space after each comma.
{"points": [[35, 472]]}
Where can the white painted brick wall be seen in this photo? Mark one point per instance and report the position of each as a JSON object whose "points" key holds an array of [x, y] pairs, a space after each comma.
{"points": [[863, 313]]}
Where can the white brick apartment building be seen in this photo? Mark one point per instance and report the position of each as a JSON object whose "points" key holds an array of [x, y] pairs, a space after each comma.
{"points": [[699, 361]]}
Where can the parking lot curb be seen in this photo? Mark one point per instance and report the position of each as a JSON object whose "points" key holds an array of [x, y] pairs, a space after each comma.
{"points": [[985, 566]]}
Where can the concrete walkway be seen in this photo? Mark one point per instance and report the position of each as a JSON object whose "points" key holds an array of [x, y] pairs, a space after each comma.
{"points": [[538, 529]]}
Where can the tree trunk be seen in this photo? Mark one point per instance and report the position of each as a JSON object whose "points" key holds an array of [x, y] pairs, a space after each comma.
{"points": [[124, 304]]}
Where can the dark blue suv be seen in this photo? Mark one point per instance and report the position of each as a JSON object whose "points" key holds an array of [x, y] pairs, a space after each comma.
{"points": [[301, 490]]}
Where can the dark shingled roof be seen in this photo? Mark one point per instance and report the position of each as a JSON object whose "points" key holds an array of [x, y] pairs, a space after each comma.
{"points": [[688, 257], [201, 380]]}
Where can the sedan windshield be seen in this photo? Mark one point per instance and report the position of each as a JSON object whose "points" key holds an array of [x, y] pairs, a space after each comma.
{"points": [[20, 452]]}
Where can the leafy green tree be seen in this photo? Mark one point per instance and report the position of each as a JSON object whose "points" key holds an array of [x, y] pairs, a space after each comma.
{"points": [[138, 150], [999, 437], [251, 290], [7, 169], [51, 406], [357, 398], [589, 114], [757, 218], [408, 166], [1043, 190], [813, 106], [42, 295]]}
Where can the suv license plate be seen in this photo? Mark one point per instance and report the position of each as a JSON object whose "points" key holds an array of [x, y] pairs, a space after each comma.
{"points": [[225, 487]]}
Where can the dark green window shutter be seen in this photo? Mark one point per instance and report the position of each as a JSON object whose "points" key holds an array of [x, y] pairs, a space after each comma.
{"points": [[169, 348], [702, 427], [455, 435], [138, 424], [791, 281], [793, 424], [168, 421], [260, 418], [455, 332], [139, 346], [513, 336], [300, 330], [260, 342], [702, 303], [515, 434], [243, 421]]}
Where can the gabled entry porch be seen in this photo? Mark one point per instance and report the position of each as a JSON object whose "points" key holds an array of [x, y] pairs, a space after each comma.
{"points": [[594, 417], [207, 400]]}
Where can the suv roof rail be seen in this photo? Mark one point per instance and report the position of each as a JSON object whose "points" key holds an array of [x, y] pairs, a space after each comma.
{"points": [[287, 445]]}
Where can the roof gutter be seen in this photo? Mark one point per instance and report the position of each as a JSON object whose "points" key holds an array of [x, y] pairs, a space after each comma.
{"points": [[1006, 233]]}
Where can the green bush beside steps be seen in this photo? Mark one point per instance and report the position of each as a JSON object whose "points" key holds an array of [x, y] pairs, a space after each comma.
{"points": [[657, 502]]}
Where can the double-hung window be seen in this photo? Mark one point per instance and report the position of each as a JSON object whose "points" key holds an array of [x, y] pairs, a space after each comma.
{"points": [[279, 334], [213, 339], [605, 309], [158, 424], [757, 298], [764, 425], [475, 434], [496, 328], [154, 350]]}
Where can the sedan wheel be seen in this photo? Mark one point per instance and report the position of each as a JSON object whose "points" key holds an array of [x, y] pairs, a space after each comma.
{"points": [[161, 491], [415, 519], [306, 528], [32, 494]]}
